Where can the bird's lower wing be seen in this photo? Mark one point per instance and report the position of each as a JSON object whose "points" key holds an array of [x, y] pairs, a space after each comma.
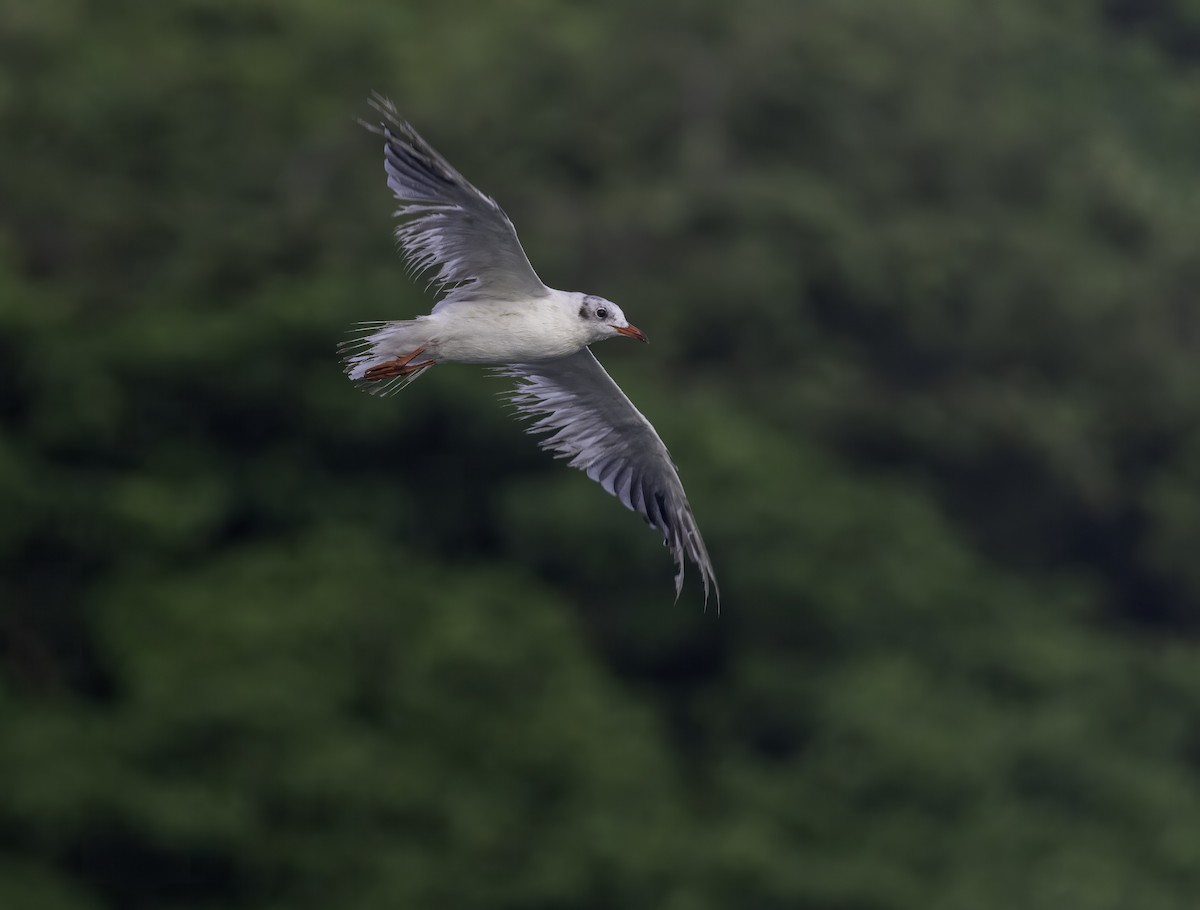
{"points": [[591, 422]]}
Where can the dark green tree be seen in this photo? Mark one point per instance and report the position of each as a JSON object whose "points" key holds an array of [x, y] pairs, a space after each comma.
{"points": [[920, 281]]}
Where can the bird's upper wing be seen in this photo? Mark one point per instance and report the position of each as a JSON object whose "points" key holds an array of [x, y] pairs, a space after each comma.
{"points": [[593, 423], [448, 227]]}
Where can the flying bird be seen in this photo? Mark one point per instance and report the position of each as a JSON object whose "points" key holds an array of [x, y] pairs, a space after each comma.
{"points": [[494, 310]]}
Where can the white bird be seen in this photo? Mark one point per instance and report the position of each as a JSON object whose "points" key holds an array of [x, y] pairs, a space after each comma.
{"points": [[495, 310]]}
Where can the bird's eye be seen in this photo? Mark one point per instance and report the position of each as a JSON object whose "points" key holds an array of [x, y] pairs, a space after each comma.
{"points": [[601, 313]]}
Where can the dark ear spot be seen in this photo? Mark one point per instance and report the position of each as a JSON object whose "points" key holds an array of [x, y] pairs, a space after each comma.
{"points": [[583, 312]]}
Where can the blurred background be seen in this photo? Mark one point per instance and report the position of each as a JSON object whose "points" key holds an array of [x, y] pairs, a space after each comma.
{"points": [[921, 284]]}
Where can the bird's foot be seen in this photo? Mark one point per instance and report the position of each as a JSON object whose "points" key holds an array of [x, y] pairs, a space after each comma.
{"points": [[401, 366]]}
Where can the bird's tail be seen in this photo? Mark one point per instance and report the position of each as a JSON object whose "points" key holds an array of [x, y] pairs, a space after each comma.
{"points": [[384, 357]]}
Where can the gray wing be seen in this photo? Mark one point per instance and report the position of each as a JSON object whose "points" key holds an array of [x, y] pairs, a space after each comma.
{"points": [[448, 227], [591, 422]]}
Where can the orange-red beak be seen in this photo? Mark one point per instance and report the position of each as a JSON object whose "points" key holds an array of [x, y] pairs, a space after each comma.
{"points": [[632, 331]]}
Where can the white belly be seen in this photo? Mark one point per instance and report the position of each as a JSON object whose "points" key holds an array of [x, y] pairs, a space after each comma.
{"points": [[493, 332]]}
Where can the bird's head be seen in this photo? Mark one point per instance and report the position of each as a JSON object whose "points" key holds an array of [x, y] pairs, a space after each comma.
{"points": [[604, 319]]}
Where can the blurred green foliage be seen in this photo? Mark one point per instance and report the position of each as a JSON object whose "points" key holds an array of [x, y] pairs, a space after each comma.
{"points": [[921, 281]]}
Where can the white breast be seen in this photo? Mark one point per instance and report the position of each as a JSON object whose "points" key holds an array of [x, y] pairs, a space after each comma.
{"points": [[543, 328]]}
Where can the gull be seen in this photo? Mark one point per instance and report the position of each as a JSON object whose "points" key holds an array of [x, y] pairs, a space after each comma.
{"points": [[494, 310]]}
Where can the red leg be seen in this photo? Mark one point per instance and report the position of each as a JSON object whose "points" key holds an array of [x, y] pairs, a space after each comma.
{"points": [[401, 366]]}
